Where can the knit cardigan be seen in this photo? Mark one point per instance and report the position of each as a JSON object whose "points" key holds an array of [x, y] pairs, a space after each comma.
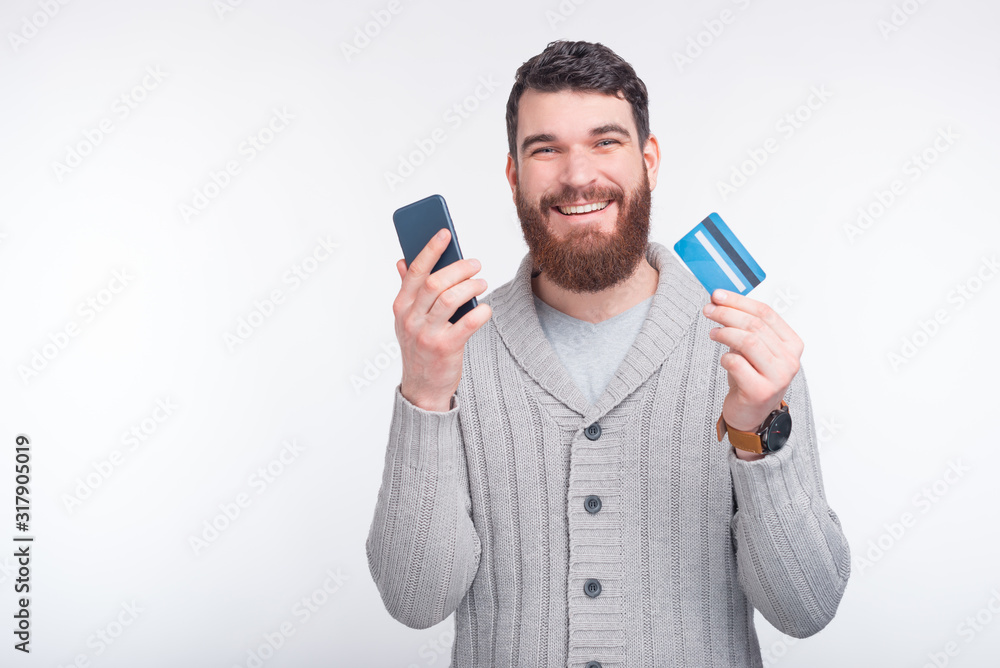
{"points": [[481, 508]]}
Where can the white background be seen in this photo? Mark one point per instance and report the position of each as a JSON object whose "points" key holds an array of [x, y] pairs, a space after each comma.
{"points": [[321, 368]]}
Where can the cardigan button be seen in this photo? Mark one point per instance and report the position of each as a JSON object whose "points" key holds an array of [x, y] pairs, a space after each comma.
{"points": [[592, 504], [593, 432], [592, 588], [593, 664]]}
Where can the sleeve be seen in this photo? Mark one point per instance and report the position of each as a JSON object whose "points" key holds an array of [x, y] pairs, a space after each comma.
{"points": [[423, 550], [792, 558]]}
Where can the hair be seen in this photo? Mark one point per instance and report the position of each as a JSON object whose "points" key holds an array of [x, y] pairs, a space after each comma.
{"points": [[579, 66]]}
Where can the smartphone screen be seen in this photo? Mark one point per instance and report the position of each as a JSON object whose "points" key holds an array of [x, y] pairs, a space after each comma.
{"points": [[415, 225]]}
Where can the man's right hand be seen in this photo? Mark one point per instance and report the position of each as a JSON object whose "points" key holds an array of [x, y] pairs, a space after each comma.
{"points": [[431, 347]]}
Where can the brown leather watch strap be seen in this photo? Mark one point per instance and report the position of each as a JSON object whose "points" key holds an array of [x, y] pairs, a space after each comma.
{"points": [[747, 441]]}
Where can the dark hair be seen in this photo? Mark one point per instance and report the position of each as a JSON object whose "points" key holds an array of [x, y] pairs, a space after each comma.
{"points": [[579, 66]]}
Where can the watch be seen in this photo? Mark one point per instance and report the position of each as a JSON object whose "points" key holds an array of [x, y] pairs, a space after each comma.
{"points": [[770, 437]]}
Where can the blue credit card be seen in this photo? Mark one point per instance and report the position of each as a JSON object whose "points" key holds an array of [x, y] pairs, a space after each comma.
{"points": [[717, 258]]}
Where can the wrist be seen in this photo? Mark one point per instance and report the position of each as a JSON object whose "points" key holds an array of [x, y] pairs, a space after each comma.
{"points": [[435, 404], [752, 444], [755, 427], [747, 456]]}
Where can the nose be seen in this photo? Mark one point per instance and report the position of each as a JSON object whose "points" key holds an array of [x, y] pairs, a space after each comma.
{"points": [[579, 169]]}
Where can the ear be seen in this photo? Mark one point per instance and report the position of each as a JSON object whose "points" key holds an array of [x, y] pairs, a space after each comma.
{"points": [[511, 172], [651, 158]]}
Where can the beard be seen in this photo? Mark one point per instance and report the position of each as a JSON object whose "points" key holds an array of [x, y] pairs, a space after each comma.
{"points": [[588, 260]]}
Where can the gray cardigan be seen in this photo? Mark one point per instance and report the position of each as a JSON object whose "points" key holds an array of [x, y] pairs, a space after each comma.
{"points": [[481, 510]]}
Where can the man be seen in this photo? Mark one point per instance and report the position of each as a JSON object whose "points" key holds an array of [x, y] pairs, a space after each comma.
{"points": [[554, 473]]}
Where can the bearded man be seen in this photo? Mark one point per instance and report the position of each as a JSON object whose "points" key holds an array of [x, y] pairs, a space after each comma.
{"points": [[578, 468]]}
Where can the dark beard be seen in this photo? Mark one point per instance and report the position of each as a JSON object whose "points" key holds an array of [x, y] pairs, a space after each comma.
{"points": [[588, 260]]}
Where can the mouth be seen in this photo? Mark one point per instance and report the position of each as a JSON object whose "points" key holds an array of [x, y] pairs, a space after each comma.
{"points": [[581, 210]]}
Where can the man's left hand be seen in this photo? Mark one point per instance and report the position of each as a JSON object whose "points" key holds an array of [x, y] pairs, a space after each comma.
{"points": [[763, 357]]}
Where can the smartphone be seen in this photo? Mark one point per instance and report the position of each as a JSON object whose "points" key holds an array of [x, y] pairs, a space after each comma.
{"points": [[415, 225]]}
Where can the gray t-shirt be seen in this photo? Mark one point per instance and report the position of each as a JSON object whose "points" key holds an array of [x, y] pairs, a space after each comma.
{"points": [[591, 352]]}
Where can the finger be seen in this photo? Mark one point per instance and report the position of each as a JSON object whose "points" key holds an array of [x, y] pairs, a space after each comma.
{"points": [[423, 263], [422, 285], [449, 300], [428, 299], [759, 309], [438, 282], [744, 375], [462, 331], [752, 349], [401, 267], [731, 317]]}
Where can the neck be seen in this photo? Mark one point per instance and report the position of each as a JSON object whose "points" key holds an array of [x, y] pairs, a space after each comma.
{"points": [[597, 306]]}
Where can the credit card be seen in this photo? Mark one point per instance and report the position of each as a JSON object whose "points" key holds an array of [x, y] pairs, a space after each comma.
{"points": [[717, 258]]}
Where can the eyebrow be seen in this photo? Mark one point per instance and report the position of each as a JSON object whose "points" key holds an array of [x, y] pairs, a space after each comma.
{"points": [[541, 138]]}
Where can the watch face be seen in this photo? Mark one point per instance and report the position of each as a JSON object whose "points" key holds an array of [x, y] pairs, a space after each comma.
{"points": [[778, 431]]}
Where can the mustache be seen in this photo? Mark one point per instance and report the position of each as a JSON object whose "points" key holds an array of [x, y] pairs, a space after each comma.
{"points": [[569, 195]]}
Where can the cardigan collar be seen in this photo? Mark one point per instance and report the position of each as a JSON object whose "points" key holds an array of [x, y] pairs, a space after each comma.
{"points": [[678, 300]]}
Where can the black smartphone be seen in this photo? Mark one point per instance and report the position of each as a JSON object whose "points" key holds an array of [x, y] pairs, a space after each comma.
{"points": [[415, 225]]}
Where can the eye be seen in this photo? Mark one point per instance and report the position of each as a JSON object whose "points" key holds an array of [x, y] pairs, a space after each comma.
{"points": [[539, 150], [604, 141]]}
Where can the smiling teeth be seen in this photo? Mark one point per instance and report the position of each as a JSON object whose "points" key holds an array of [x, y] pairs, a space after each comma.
{"points": [[586, 208]]}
